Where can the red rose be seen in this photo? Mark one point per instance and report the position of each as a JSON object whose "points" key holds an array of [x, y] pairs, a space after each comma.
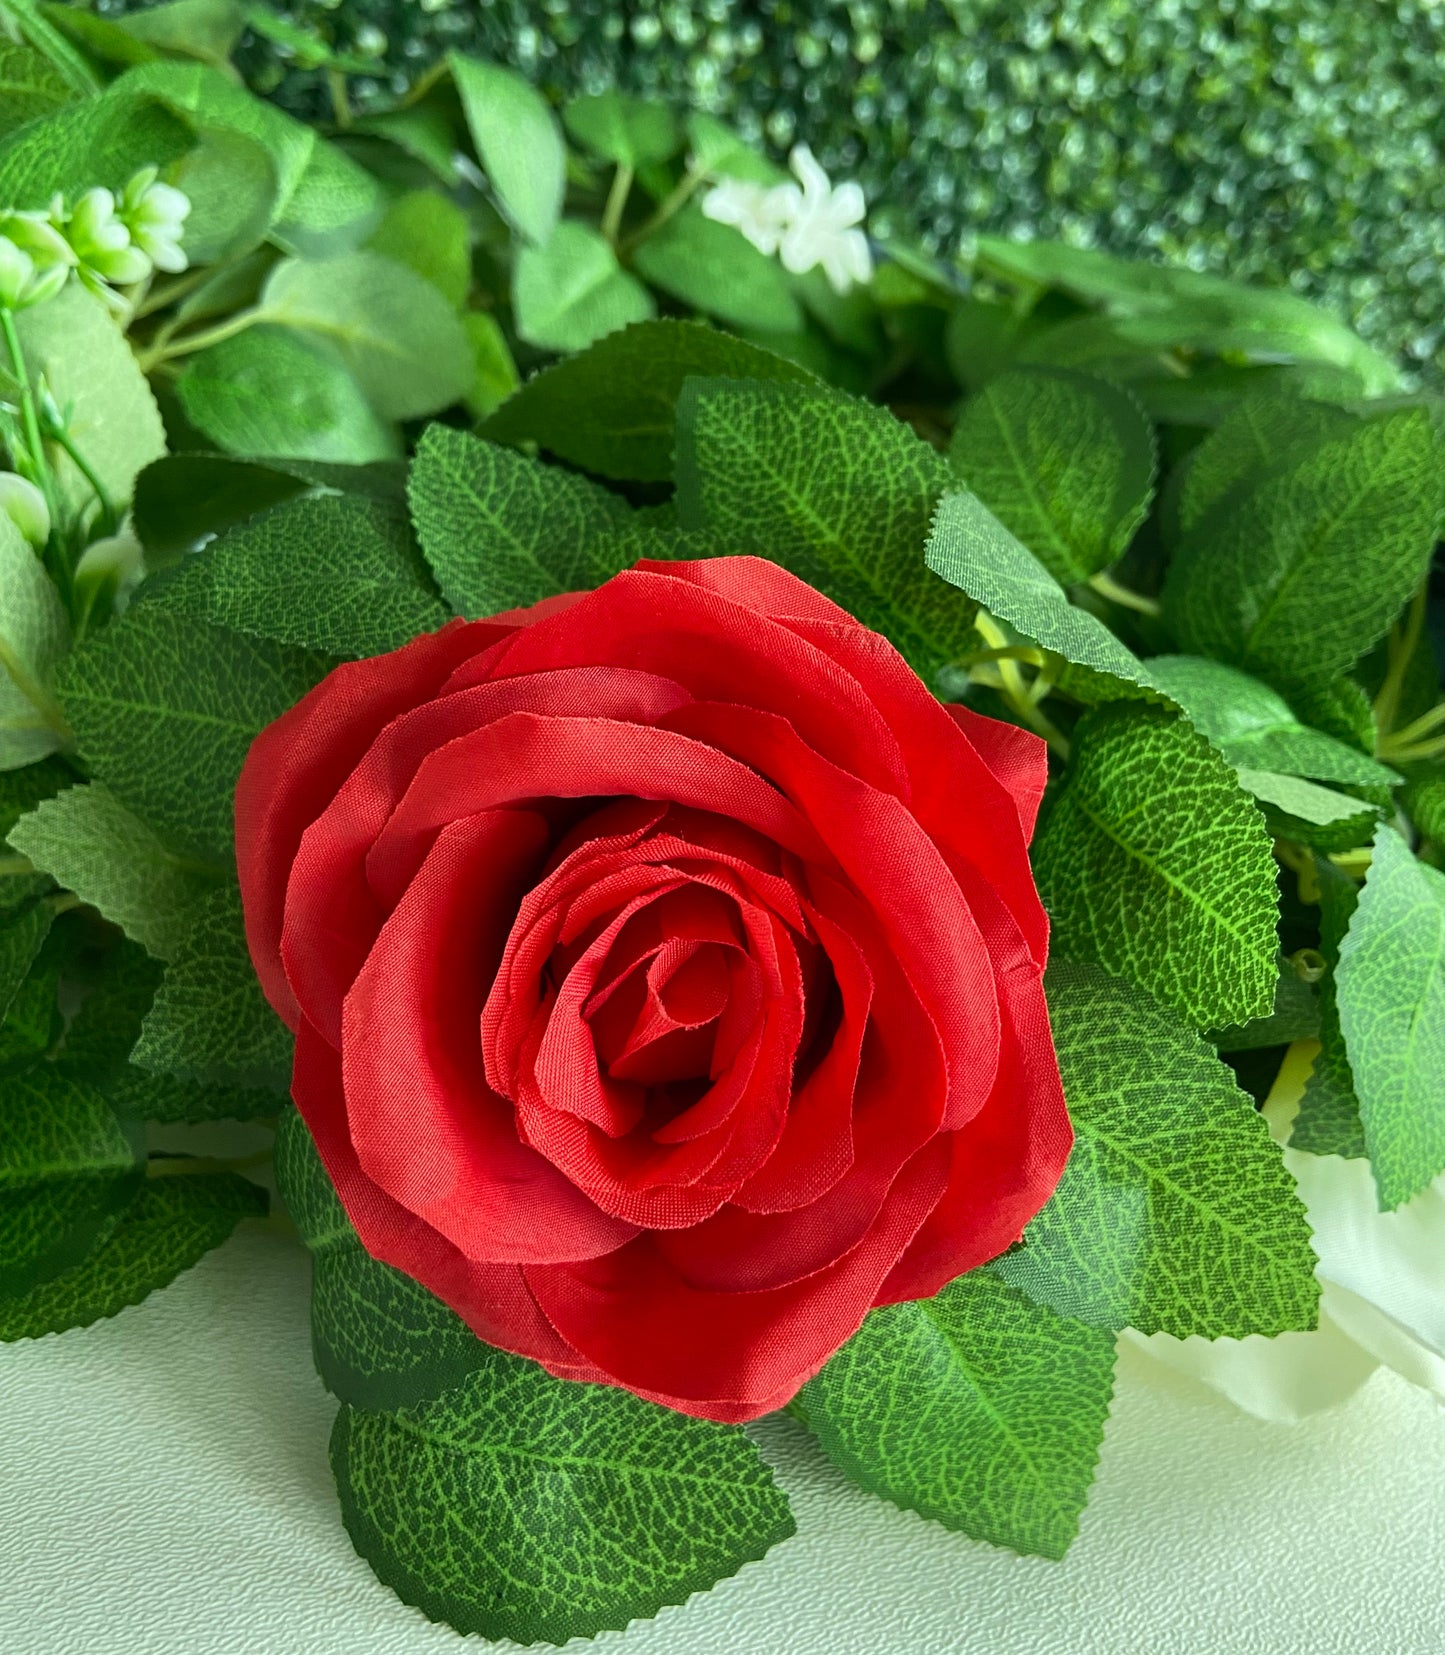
{"points": [[664, 963]]}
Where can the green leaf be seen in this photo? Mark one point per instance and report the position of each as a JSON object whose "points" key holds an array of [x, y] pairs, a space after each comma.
{"points": [[30, 86], [979, 1408], [1253, 726], [571, 290], [231, 182], [99, 1037], [1424, 800], [165, 709], [333, 207], [210, 1021], [87, 841], [1328, 1122], [34, 638], [144, 1096], [67, 1169], [111, 415], [713, 268], [499, 530], [172, 1223], [268, 391], [1295, 1015], [428, 233], [32, 1025], [206, 29], [102, 140], [1175, 1213], [973, 551], [612, 408], [537, 1509], [21, 790], [1390, 988], [336, 572], [1319, 816], [630, 131], [183, 499], [496, 370], [1296, 578], [1064, 461], [518, 143], [25, 921], [392, 330], [1154, 864], [716, 148], [835, 489], [380, 1339]]}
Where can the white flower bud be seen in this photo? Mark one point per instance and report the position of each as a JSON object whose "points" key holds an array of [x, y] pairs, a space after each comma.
{"points": [[115, 565], [25, 506]]}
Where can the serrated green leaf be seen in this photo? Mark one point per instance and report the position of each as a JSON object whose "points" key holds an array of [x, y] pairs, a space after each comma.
{"points": [[1328, 1122], [428, 233], [1175, 1213], [973, 551], [107, 1024], [183, 499], [87, 841], [518, 143], [1295, 579], [32, 1023], [391, 329], [630, 131], [210, 1021], [268, 391], [1390, 990], [111, 416], [979, 1408], [570, 291], [30, 86], [500, 530], [21, 790], [1063, 460], [102, 140], [835, 489], [336, 572], [1424, 801], [1154, 864], [1343, 709], [538, 1509], [172, 1099], [34, 638], [172, 1223], [1318, 816], [713, 268], [165, 709], [67, 1169], [1253, 727], [380, 1339], [1295, 1015], [612, 409], [25, 921]]}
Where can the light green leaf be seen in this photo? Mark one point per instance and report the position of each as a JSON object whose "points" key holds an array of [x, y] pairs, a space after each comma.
{"points": [[1295, 579], [209, 1021], [718, 150], [496, 369], [518, 143], [165, 709], [1314, 815], [87, 841], [380, 1339], [428, 233], [392, 330], [612, 409], [30, 86], [336, 572], [1328, 1122], [500, 530], [1390, 990], [268, 391], [102, 140], [67, 1169], [1175, 1213], [112, 417], [973, 551], [1154, 864], [206, 29], [1253, 726], [538, 1509], [627, 130], [1064, 461], [34, 638], [333, 207], [835, 489], [715, 269], [978, 1408], [571, 290], [172, 1223]]}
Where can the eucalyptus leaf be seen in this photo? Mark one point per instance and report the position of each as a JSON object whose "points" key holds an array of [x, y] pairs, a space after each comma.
{"points": [[518, 143], [428, 233], [714, 269], [630, 131], [570, 290]]}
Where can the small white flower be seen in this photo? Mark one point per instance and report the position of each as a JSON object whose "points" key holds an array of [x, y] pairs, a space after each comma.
{"points": [[25, 506], [37, 234], [103, 244], [21, 282], [155, 215], [825, 226], [762, 212]]}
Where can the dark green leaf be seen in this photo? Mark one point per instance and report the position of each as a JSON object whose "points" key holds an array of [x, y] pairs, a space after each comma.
{"points": [[21, 790], [1175, 1213], [1295, 1015], [25, 920], [184, 498], [1328, 1122], [538, 1509], [1154, 864], [979, 1408], [30, 86]]}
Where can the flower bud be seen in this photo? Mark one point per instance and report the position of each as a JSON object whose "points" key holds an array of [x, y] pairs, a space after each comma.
{"points": [[113, 566], [25, 506], [17, 269], [155, 214]]}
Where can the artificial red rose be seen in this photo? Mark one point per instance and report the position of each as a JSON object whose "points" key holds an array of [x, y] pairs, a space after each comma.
{"points": [[664, 963]]}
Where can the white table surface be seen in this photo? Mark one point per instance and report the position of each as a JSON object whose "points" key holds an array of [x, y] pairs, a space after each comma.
{"points": [[164, 1490]]}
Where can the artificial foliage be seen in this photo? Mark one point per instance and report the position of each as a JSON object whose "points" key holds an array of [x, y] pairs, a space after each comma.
{"points": [[469, 358]]}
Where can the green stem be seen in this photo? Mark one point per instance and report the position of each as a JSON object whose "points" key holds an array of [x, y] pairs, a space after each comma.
{"points": [[681, 194], [1013, 688], [1005, 652], [30, 418], [1401, 648], [1415, 753], [616, 202], [109, 517], [340, 102], [10, 866], [1412, 732], [1124, 596], [166, 293], [36, 694], [162, 350], [187, 1166]]}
